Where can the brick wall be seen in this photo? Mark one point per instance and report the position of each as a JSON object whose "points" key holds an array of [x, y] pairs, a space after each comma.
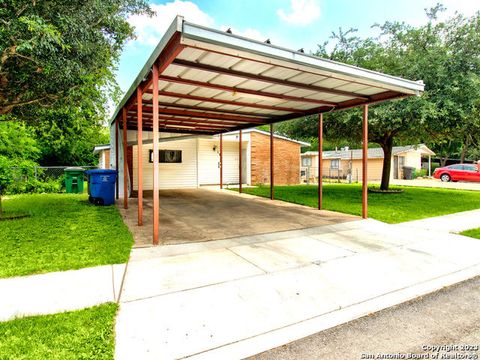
{"points": [[107, 159], [286, 160]]}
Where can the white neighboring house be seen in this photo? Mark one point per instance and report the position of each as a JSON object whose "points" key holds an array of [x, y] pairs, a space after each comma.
{"points": [[190, 161], [103, 152]]}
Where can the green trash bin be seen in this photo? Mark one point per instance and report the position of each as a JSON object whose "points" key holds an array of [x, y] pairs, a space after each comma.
{"points": [[74, 180]]}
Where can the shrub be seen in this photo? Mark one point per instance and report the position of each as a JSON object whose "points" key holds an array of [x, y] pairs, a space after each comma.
{"points": [[33, 186], [420, 173]]}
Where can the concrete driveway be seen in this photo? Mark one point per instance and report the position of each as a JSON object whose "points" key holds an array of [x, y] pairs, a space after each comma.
{"points": [[238, 297], [193, 215]]}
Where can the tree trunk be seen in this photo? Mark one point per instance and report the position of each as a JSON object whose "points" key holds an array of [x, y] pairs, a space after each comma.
{"points": [[387, 146], [462, 155], [464, 151], [443, 161]]}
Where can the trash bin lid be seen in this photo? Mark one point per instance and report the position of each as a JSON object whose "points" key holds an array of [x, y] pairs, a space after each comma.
{"points": [[73, 168], [100, 172]]}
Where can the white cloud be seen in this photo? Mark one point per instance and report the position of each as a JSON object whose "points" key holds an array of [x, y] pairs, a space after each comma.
{"points": [[465, 7], [149, 30], [301, 12]]}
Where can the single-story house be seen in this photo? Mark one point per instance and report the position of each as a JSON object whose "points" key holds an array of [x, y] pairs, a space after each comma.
{"points": [[342, 163], [103, 152], [193, 161]]}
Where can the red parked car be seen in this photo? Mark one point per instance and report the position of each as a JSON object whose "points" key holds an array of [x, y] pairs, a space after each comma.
{"points": [[458, 172]]}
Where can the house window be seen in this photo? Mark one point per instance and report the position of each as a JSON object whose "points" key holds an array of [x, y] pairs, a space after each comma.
{"points": [[334, 164], [167, 156], [306, 161]]}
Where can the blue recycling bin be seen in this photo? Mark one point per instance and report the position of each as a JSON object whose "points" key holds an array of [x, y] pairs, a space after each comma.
{"points": [[101, 186]]}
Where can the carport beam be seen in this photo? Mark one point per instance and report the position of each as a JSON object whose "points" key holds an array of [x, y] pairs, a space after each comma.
{"points": [[221, 161], [156, 199], [272, 173], [139, 155], [320, 161], [364, 163], [240, 161], [125, 161]]}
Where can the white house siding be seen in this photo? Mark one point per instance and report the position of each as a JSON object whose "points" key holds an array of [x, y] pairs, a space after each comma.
{"points": [[208, 160], [178, 176], [230, 162]]}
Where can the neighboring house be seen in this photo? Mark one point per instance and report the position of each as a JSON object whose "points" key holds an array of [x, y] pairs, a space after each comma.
{"points": [[193, 160], [342, 163], [103, 152]]}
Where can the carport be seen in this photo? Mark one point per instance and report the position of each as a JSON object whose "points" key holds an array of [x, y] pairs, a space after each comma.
{"points": [[200, 81]]}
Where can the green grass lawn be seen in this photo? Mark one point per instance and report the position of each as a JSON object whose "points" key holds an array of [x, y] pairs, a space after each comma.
{"points": [[414, 203], [82, 334], [63, 232], [475, 233]]}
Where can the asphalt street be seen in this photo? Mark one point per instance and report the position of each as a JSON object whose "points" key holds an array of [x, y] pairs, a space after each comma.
{"points": [[449, 317]]}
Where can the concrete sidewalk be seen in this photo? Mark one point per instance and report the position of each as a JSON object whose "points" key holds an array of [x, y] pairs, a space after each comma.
{"points": [[453, 223], [59, 291], [239, 297]]}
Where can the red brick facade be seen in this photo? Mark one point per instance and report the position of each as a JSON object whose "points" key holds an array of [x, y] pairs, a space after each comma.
{"points": [[286, 160]]}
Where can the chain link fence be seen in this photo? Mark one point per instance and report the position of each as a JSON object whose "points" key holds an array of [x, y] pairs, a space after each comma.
{"points": [[42, 173], [45, 173], [309, 175]]}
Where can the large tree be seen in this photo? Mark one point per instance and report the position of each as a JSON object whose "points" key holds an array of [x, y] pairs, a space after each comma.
{"points": [[67, 136], [442, 54], [60, 51]]}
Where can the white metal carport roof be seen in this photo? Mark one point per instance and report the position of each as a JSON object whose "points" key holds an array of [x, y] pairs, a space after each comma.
{"points": [[213, 82]]}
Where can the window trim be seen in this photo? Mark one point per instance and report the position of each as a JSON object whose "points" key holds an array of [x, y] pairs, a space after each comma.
{"points": [[336, 161], [150, 156]]}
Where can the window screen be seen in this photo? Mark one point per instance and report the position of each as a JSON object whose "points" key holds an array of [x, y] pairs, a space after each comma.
{"points": [[306, 161], [167, 156]]}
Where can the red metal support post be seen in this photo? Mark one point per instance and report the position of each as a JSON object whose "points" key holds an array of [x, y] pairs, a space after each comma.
{"points": [[221, 161], [272, 165], [116, 157], [364, 163], [139, 155], [125, 161], [240, 161], [320, 161], [156, 199]]}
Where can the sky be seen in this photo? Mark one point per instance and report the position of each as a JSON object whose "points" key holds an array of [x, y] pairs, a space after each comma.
{"points": [[293, 24]]}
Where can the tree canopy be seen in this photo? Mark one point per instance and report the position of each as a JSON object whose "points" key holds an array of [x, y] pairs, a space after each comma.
{"points": [[57, 52], [444, 54]]}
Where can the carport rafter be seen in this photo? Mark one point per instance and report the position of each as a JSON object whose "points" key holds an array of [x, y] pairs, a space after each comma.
{"points": [[265, 79], [228, 102], [237, 90], [147, 110]]}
